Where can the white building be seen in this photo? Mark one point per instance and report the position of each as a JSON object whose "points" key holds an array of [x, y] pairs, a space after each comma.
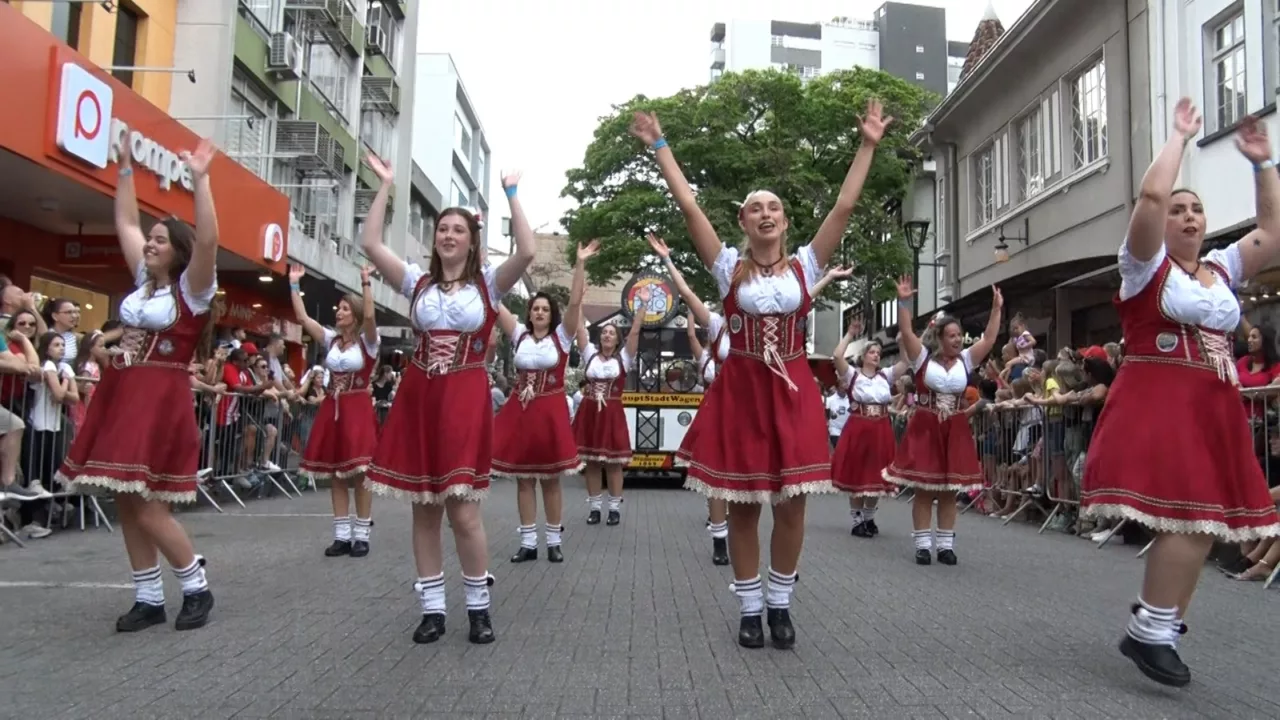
{"points": [[449, 143]]}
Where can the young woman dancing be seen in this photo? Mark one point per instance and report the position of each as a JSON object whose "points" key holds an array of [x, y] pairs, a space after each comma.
{"points": [[533, 437], [937, 456], [345, 433], [139, 439], [867, 444], [436, 444], [765, 391], [1172, 448], [600, 424]]}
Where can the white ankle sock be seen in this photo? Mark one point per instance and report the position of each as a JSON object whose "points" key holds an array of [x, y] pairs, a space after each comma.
{"points": [[750, 595], [529, 536], [780, 588], [553, 534], [1153, 625], [719, 530], [431, 594], [148, 586], [615, 503], [856, 514], [868, 514], [363, 527], [947, 540], [923, 539], [342, 529], [596, 501], [192, 577], [477, 592]]}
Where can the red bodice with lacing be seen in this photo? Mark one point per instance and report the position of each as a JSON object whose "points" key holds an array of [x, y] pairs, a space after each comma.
{"points": [[532, 384]]}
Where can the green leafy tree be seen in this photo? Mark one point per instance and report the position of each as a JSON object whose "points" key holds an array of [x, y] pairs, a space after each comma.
{"points": [[749, 131]]}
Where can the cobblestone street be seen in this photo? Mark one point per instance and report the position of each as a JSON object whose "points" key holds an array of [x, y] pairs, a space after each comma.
{"points": [[636, 623]]}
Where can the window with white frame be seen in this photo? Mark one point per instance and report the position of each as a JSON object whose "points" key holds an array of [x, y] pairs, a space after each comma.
{"points": [[378, 132], [248, 132], [1039, 154], [384, 30], [990, 180], [458, 195], [482, 161], [330, 75], [1089, 114], [461, 135], [1227, 70], [266, 14], [776, 41]]}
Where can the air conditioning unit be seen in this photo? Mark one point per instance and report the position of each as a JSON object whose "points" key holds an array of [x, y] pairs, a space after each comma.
{"points": [[284, 57], [376, 39]]}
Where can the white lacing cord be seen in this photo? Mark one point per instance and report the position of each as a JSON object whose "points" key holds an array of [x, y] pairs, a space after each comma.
{"points": [[527, 390], [945, 405], [598, 390], [772, 358], [1219, 356], [440, 353]]}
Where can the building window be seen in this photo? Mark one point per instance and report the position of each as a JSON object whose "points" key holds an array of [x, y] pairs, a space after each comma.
{"points": [[482, 161], [920, 49], [1227, 71], [265, 14], [809, 72], [1089, 114], [383, 32], [248, 131], [458, 195], [378, 133], [990, 180], [125, 48], [330, 76], [776, 41], [64, 23], [919, 76], [461, 136], [1039, 155]]}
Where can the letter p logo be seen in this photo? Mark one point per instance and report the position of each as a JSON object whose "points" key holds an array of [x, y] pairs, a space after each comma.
{"points": [[84, 115]]}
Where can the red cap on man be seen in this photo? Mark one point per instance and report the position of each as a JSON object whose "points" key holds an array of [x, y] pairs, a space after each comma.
{"points": [[249, 348]]}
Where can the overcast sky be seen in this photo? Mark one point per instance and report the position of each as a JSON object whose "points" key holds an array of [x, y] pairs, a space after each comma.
{"points": [[541, 72]]}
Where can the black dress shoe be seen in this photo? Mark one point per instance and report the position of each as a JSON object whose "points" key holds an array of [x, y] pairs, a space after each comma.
{"points": [[719, 551], [593, 517], [140, 617], [525, 554], [751, 632], [1158, 662], [947, 557], [481, 627], [338, 548], [923, 557], [430, 629], [555, 554], [873, 528], [1237, 566], [614, 518], [195, 611], [861, 530], [359, 548], [781, 632]]}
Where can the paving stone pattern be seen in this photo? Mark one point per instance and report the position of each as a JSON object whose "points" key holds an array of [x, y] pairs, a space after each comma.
{"points": [[637, 623]]}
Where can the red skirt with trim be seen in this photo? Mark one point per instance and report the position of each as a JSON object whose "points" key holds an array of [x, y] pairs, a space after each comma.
{"points": [[341, 446], [437, 439], [1173, 450], [936, 455], [755, 440], [865, 449], [139, 436], [685, 452], [601, 432], [535, 441]]}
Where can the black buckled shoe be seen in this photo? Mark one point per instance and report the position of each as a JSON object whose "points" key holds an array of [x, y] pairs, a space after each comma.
{"points": [[195, 610], [555, 554], [947, 557], [751, 632], [1237, 566], [430, 629], [525, 554], [338, 548], [140, 617], [719, 551], [1158, 662], [861, 530], [359, 548], [781, 631], [481, 627], [593, 517], [924, 557], [873, 528], [614, 518]]}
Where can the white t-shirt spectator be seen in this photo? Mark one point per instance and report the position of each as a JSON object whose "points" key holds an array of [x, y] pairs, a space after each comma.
{"points": [[837, 413], [46, 415], [499, 399]]}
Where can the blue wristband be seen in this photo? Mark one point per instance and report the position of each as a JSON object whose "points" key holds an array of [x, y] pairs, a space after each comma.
{"points": [[1264, 165], [510, 190], [905, 304], [126, 172], [295, 287], [660, 143]]}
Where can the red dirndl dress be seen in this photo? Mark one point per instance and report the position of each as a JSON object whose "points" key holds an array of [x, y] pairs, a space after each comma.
{"points": [[139, 434], [762, 431], [345, 433], [710, 363], [1173, 449], [533, 436], [600, 427], [437, 439], [867, 445], [937, 452]]}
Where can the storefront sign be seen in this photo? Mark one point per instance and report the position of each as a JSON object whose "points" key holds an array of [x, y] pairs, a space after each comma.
{"points": [[93, 251], [651, 294], [650, 462], [641, 399], [87, 129], [273, 243]]}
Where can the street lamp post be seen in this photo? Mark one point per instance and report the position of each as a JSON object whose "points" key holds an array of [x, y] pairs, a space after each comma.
{"points": [[917, 231]]}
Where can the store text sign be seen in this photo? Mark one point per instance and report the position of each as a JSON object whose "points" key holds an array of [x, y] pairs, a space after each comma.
{"points": [[88, 130]]}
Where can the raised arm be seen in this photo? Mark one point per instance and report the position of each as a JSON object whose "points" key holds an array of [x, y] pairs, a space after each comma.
{"points": [[309, 326], [842, 347], [507, 321], [697, 308], [202, 269], [572, 319], [513, 268], [981, 349], [1146, 225], [389, 266], [837, 273], [705, 241], [1260, 247], [632, 343], [910, 341], [368, 323], [492, 353], [871, 130], [692, 327], [128, 221]]}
